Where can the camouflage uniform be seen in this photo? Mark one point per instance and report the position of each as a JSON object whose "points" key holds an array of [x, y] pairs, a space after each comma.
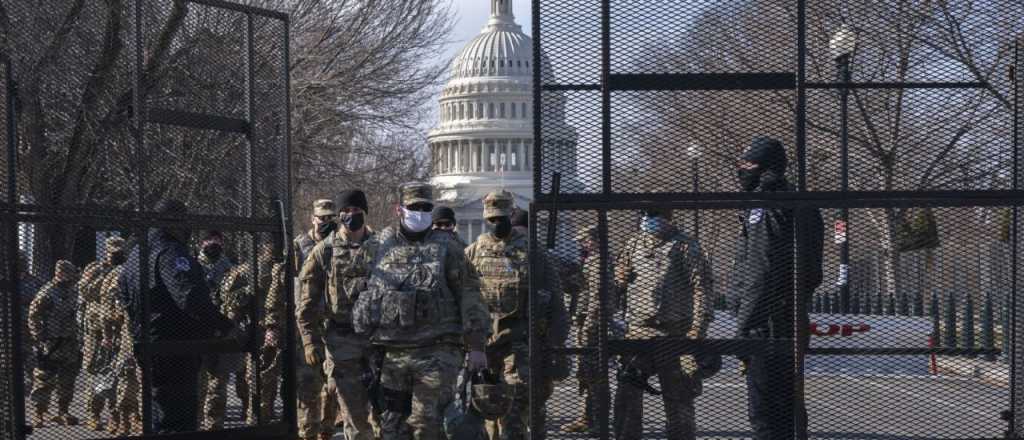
{"points": [[236, 295], [503, 267], [28, 288], [585, 285], [96, 322], [54, 331], [421, 305], [126, 417], [270, 354], [316, 407], [663, 274], [332, 278]]}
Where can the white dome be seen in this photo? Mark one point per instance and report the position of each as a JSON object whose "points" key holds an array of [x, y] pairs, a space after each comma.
{"points": [[501, 50]]}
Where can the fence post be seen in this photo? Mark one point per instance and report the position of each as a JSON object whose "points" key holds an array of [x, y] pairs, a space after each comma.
{"points": [[968, 332], [904, 304], [1006, 328], [950, 338], [936, 328], [919, 302], [878, 309], [988, 339], [817, 303], [891, 308]]}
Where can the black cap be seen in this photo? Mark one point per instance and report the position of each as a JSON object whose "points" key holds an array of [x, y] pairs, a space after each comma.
{"points": [[768, 153], [353, 198], [443, 213], [521, 218]]}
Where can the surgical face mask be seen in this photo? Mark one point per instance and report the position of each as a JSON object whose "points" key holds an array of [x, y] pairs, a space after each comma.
{"points": [[416, 221], [750, 179], [652, 225]]}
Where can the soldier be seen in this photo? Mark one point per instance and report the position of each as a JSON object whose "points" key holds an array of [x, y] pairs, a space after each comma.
{"points": [[126, 417], [271, 327], [501, 258], [215, 264], [316, 408], [762, 291], [422, 308], [662, 271], [180, 310], [236, 295], [332, 279], [586, 289], [443, 218], [52, 326], [98, 349], [28, 288]]}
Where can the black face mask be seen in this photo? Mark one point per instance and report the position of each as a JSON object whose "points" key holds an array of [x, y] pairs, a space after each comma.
{"points": [[501, 229], [325, 229], [213, 251], [118, 258], [750, 179], [352, 222]]}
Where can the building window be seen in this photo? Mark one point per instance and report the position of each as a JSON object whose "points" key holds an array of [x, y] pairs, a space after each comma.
{"points": [[501, 110], [490, 111], [524, 109], [513, 111]]}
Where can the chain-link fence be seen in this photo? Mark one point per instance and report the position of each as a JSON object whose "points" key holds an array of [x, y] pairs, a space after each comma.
{"points": [[779, 219], [146, 186]]}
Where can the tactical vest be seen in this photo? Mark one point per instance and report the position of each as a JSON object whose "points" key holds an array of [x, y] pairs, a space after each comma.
{"points": [[347, 276], [661, 293], [504, 275], [407, 301]]}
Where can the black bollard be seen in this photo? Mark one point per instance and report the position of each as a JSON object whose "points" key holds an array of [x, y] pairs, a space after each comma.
{"points": [[891, 307], [878, 310], [826, 303], [936, 329], [904, 309], [968, 327], [988, 331], [919, 303], [817, 303], [950, 337]]}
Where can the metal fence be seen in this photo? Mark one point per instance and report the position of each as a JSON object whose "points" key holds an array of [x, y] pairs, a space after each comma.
{"points": [[113, 109], [901, 128]]}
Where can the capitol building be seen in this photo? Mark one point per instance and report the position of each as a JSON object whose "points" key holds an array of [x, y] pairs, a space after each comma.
{"points": [[484, 139]]}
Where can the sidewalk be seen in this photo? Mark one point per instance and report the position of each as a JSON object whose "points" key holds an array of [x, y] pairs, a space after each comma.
{"points": [[995, 373]]}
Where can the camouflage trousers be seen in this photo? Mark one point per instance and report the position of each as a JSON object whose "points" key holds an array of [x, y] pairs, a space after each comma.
{"points": [[91, 361], [127, 403], [425, 378], [54, 375], [316, 407], [349, 358], [270, 379], [678, 391], [512, 363], [214, 390]]}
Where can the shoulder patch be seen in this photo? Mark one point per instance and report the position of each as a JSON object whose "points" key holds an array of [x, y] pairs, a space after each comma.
{"points": [[181, 264], [756, 215]]}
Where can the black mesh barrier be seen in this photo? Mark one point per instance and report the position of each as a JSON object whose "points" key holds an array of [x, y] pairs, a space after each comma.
{"points": [[778, 219], [145, 218]]}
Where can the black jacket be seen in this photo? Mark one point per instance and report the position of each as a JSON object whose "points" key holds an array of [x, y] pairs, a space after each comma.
{"points": [[180, 303], [764, 272]]}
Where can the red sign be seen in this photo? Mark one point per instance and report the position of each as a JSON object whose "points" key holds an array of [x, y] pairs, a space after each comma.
{"points": [[838, 329]]}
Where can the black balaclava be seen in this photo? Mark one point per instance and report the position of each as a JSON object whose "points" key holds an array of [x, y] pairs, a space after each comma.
{"points": [[353, 198], [501, 227], [770, 156]]}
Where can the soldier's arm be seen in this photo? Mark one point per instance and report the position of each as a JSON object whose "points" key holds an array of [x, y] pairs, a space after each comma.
{"points": [[310, 308], [108, 294], [87, 282], [274, 306], [464, 283], [37, 314], [700, 283]]}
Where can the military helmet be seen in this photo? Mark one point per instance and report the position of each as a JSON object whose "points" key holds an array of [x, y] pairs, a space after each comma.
{"points": [[489, 396], [498, 204], [324, 207], [461, 421]]}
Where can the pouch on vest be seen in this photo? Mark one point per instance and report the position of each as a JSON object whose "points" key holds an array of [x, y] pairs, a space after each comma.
{"points": [[398, 309]]}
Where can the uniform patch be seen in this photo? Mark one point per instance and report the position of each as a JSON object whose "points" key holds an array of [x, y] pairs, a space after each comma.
{"points": [[756, 215], [181, 264]]}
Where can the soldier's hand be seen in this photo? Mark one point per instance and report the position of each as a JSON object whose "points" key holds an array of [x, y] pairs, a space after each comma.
{"points": [[743, 367], [270, 338], [477, 361], [314, 355], [693, 334]]}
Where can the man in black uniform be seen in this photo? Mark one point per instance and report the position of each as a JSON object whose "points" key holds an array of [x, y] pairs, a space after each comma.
{"points": [[180, 309], [763, 292]]}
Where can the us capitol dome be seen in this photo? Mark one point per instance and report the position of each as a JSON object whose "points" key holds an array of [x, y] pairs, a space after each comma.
{"points": [[484, 139]]}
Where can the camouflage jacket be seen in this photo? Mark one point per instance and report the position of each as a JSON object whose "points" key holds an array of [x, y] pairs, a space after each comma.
{"points": [[421, 293], [503, 267], [667, 282], [90, 288], [52, 323], [332, 278], [302, 245], [237, 291], [215, 272]]}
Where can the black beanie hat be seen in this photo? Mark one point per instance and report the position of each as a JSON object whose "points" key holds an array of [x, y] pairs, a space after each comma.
{"points": [[443, 213], [521, 218], [353, 198], [768, 153]]}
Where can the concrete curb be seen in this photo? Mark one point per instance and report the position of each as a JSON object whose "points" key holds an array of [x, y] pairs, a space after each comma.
{"points": [[992, 373]]}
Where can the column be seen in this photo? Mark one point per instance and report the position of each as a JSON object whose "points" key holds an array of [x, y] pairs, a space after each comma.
{"points": [[528, 161], [518, 166]]}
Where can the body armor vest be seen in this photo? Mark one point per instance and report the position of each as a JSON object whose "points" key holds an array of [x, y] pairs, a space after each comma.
{"points": [[407, 300], [504, 275], [347, 276]]}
